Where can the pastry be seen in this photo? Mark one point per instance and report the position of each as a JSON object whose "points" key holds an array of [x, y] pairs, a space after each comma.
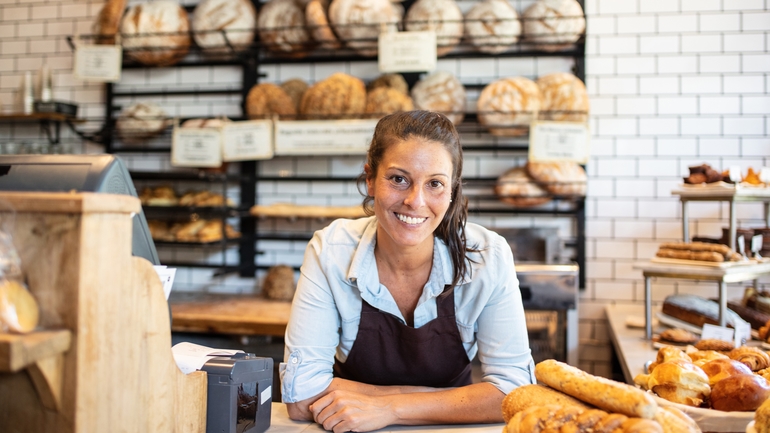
{"points": [[188, 232], [160, 231], [141, 121], [338, 96], [752, 357], [668, 353], [159, 196], [526, 396], [295, 88], [441, 92], [696, 310], [105, 27], [507, 106], [762, 417], [719, 369], [156, 33], [279, 283], [492, 26], [715, 345], [559, 177], [741, 392], [441, 16], [281, 26], [680, 336], [553, 24], [224, 26], [394, 81], [211, 122], [702, 357], [317, 21], [703, 173], [358, 23], [564, 98], [677, 381], [289, 210], [515, 187], [210, 232], [385, 100], [266, 100], [19, 311]]}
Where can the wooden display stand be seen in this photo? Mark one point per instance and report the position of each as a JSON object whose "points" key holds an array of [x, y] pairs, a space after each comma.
{"points": [[102, 360]]}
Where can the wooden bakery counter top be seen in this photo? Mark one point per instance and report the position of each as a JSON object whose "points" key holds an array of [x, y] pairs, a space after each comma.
{"points": [[228, 314]]}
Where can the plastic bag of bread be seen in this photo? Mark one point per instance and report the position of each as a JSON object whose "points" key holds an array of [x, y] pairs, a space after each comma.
{"points": [[279, 283], [19, 311]]}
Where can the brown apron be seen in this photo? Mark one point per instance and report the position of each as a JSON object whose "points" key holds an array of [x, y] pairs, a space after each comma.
{"points": [[388, 352]]}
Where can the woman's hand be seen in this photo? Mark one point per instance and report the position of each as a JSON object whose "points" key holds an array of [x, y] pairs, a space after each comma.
{"points": [[343, 411]]}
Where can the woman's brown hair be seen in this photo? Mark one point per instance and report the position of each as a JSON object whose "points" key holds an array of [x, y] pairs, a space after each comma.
{"points": [[436, 127]]}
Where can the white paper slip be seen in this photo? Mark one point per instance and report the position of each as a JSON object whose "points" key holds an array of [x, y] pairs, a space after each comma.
{"points": [[407, 51], [559, 141], [196, 147], [190, 356], [247, 140], [323, 137], [101, 63], [166, 276], [713, 332]]}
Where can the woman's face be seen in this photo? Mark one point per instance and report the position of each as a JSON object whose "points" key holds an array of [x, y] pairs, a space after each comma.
{"points": [[411, 190]]}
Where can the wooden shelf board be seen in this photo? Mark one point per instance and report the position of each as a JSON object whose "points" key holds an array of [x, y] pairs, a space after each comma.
{"points": [[20, 351]]}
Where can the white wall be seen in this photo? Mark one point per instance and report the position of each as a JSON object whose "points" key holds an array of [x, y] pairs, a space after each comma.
{"points": [[673, 83]]}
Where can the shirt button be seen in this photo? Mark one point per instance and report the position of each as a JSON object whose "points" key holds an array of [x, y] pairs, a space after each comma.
{"points": [[293, 360]]}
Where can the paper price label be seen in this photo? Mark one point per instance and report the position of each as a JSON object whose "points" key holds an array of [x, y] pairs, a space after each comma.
{"points": [[717, 332], [742, 333], [196, 147], [559, 141], [252, 139], [323, 137], [101, 63], [407, 51]]}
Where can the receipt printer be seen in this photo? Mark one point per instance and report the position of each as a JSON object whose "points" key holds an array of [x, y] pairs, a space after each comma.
{"points": [[239, 393]]}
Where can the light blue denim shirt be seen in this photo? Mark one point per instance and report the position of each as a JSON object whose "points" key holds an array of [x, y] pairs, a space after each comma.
{"points": [[339, 270]]}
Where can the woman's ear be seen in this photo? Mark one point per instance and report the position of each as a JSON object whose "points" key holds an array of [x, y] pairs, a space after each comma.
{"points": [[369, 186]]}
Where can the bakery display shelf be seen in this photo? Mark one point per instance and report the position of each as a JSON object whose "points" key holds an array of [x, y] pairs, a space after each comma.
{"points": [[19, 351], [214, 243], [188, 175], [194, 212]]}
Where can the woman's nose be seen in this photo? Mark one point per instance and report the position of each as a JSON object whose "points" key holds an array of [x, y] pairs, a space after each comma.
{"points": [[415, 198]]}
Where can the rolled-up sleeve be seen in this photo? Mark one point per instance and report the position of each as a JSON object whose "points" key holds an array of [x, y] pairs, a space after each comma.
{"points": [[312, 334]]}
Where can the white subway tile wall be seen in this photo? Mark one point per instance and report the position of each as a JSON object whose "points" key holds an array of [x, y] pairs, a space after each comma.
{"points": [[673, 83]]}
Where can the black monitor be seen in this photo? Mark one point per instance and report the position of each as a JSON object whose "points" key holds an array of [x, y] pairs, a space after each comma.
{"points": [[83, 173]]}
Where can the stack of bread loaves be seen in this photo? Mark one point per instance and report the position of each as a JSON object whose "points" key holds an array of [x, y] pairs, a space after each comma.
{"points": [[571, 400], [537, 182]]}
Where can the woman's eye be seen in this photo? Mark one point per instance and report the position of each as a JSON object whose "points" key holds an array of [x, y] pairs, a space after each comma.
{"points": [[398, 179], [436, 184]]}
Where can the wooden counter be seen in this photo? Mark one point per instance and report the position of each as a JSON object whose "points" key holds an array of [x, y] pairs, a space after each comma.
{"points": [[228, 314], [632, 348], [280, 423]]}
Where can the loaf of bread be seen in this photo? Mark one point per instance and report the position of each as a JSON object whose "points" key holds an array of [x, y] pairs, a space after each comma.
{"points": [[565, 178], [564, 97], [553, 24], [554, 418], [441, 16], [281, 25], [336, 97], [385, 100], [19, 311], [141, 121], [223, 26], [441, 92], [696, 310], [394, 81], [295, 88], [677, 381], [266, 100], [740, 392], [107, 21], [156, 33], [492, 26], [603, 393], [507, 106], [526, 396], [358, 23], [757, 319], [517, 188], [279, 283], [317, 21]]}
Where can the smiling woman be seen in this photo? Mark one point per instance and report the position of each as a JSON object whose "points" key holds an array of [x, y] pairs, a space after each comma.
{"points": [[391, 309]]}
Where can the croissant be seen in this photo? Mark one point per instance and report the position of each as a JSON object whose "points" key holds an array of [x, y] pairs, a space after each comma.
{"points": [[573, 419], [668, 353], [752, 357]]}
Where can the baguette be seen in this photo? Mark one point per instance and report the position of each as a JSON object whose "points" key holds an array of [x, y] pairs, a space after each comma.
{"points": [[697, 246], [674, 420], [603, 393], [571, 419], [704, 256], [526, 396]]}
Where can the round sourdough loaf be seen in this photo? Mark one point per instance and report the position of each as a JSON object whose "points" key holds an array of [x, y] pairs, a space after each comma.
{"points": [[279, 283], [266, 100], [141, 121], [107, 22], [515, 187], [507, 106], [338, 96], [553, 24], [564, 97], [441, 92], [156, 33], [282, 30], [317, 20], [492, 26], [217, 23], [395, 81], [442, 16], [386, 100], [358, 23], [295, 88], [559, 177]]}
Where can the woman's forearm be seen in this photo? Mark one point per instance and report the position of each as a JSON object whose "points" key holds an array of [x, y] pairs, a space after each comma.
{"points": [[477, 403]]}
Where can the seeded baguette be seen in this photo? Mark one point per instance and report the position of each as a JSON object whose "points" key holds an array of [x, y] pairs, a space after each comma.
{"points": [[603, 393], [526, 396]]}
